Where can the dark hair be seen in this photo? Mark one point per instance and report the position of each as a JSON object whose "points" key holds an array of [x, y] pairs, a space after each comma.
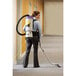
{"points": [[35, 13]]}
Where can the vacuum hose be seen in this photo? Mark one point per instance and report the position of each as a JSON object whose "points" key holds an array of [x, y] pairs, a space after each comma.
{"points": [[18, 25]]}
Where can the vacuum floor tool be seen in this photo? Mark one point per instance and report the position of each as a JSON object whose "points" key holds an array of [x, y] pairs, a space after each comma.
{"points": [[55, 64]]}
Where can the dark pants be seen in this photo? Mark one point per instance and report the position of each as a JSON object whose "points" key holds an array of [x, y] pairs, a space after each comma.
{"points": [[29, 42]]}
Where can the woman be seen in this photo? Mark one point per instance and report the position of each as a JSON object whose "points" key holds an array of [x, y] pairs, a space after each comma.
{"points": [[36, 32]]}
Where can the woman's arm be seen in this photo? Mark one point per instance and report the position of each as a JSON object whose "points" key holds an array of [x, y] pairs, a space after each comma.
{"points": [[37, 26]]}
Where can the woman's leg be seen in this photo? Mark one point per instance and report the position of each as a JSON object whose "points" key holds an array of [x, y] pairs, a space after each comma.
{"points": [[28, 48], [35, 45]]}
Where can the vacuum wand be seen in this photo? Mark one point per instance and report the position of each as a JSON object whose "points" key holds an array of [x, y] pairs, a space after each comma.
{"points": [[47, 57]]}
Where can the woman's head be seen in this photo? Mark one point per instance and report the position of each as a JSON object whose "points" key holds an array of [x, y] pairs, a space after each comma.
{"points": [[36, 14]]}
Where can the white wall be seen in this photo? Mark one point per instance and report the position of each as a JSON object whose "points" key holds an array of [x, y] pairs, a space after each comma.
{"points": [[53, 18], [14, 31]]}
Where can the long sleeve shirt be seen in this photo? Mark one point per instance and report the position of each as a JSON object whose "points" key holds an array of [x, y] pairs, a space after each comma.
{"points": [[37, 27]]}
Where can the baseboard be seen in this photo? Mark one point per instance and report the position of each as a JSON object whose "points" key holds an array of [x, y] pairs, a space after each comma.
{"points": [[53, 35]]}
